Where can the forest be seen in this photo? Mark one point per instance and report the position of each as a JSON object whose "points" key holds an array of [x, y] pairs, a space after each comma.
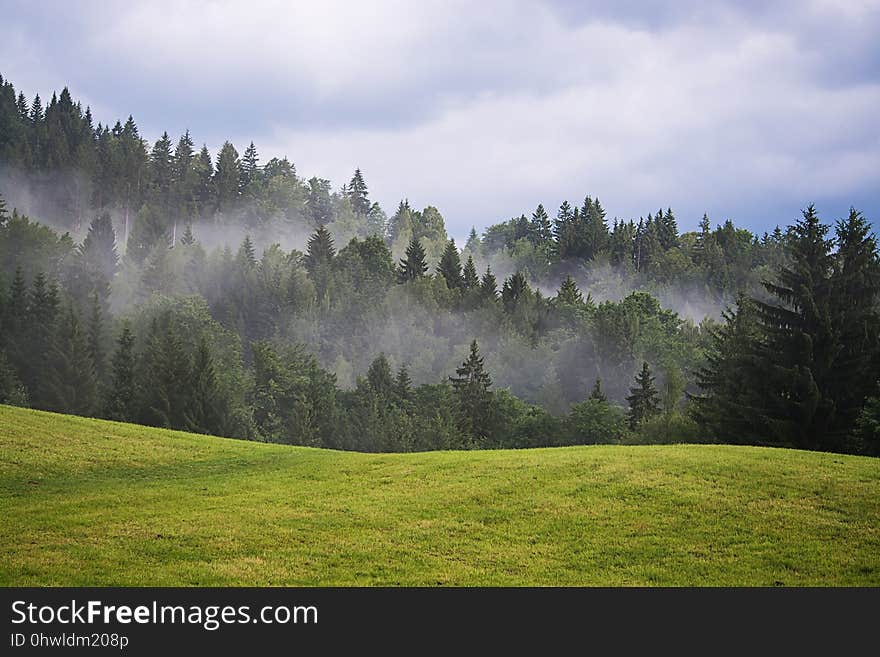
{"points": [[162, 285]]}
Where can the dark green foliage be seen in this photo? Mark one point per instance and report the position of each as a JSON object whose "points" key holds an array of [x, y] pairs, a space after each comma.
{"points": [[319, 258], [206, 410], [450, 267], [596, 393], [643, 399], [569, 293], [120, 397], [413, 266], [99, 247], [379, 377], [470, 280], [357, 194], [71, 386], [471, 385], [488, 286], [227, 177]]}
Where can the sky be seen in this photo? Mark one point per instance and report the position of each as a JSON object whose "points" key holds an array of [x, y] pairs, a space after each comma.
{"points": [[743, 110]]}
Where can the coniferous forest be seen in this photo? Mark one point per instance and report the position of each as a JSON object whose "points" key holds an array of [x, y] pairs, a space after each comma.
{"points": [[162, 284]]}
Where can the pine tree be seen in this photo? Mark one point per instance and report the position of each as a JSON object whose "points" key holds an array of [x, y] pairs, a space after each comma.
{"points": [[320, 250], [227, 177], [473, 241], [470, 279], [250, 169], [540, 229], [319, 259], [319, 206], [357, 194], [856, 324], [99, 247], [596, 393], [161, 173], [247, 254], [643, 399], [184, 178], [204, 192], [450, 266], [515, 288], [488, 285], [166, 377], [96, 338], [403, 384], [799, 345], [475, 399], [120, 398], [188, 238], [413, 265], [379, 376], [72, 386], [569, 293], [204, 412]]}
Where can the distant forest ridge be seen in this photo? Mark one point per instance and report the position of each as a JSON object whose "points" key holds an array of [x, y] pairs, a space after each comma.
{"points": [[160, 285]]}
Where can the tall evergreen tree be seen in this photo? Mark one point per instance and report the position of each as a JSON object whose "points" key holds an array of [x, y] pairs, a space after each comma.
{"points": [[596, 393], [379, 376], [99, 247], [357, 194], [569, 293], [250, 168], [120, 398], [643, 399], [488, 285], [413, 265], [227, 177], [403, 384], [450, 266], [855, 307], [799, 344], [72, 385], [204, 413], [470, 279], [475, 399]]}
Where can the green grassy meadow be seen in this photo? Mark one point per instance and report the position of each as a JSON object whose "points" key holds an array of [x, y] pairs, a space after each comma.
{"points": [[91, 502]]}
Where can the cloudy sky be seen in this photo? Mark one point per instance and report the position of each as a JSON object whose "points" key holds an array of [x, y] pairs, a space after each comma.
{"points": [[745, 110]]}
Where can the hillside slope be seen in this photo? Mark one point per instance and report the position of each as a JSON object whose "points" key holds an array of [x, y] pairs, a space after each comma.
{"points": [[90, 502]]}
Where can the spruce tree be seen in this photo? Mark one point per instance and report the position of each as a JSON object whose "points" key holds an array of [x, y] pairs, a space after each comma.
{"points": [[470, 280], [96, 338], [227, 177], [120, 398], [204, 412], [799, 345], [643, 399], [161, 173], [318, 259], [596, 393], [357, 194], [488, 285], [540, 229], [250, 169], [569, 293], [403, 384], [188, 238], [514, 290], [413, 265], [450, 266], [379, 376], [475, 399], [71, 386], [99, 247], [856, 324]]}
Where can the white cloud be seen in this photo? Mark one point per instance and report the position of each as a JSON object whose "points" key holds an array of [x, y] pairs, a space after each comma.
{"points": [[486, 109]]}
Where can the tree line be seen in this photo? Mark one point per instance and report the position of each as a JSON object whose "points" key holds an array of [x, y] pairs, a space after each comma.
{"points": [[323, 346]]}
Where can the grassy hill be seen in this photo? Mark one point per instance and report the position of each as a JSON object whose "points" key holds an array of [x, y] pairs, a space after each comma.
{"points": [[89, 502]]}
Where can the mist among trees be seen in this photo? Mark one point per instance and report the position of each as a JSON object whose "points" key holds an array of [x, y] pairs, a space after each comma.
{"points": [[169, 286]]}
